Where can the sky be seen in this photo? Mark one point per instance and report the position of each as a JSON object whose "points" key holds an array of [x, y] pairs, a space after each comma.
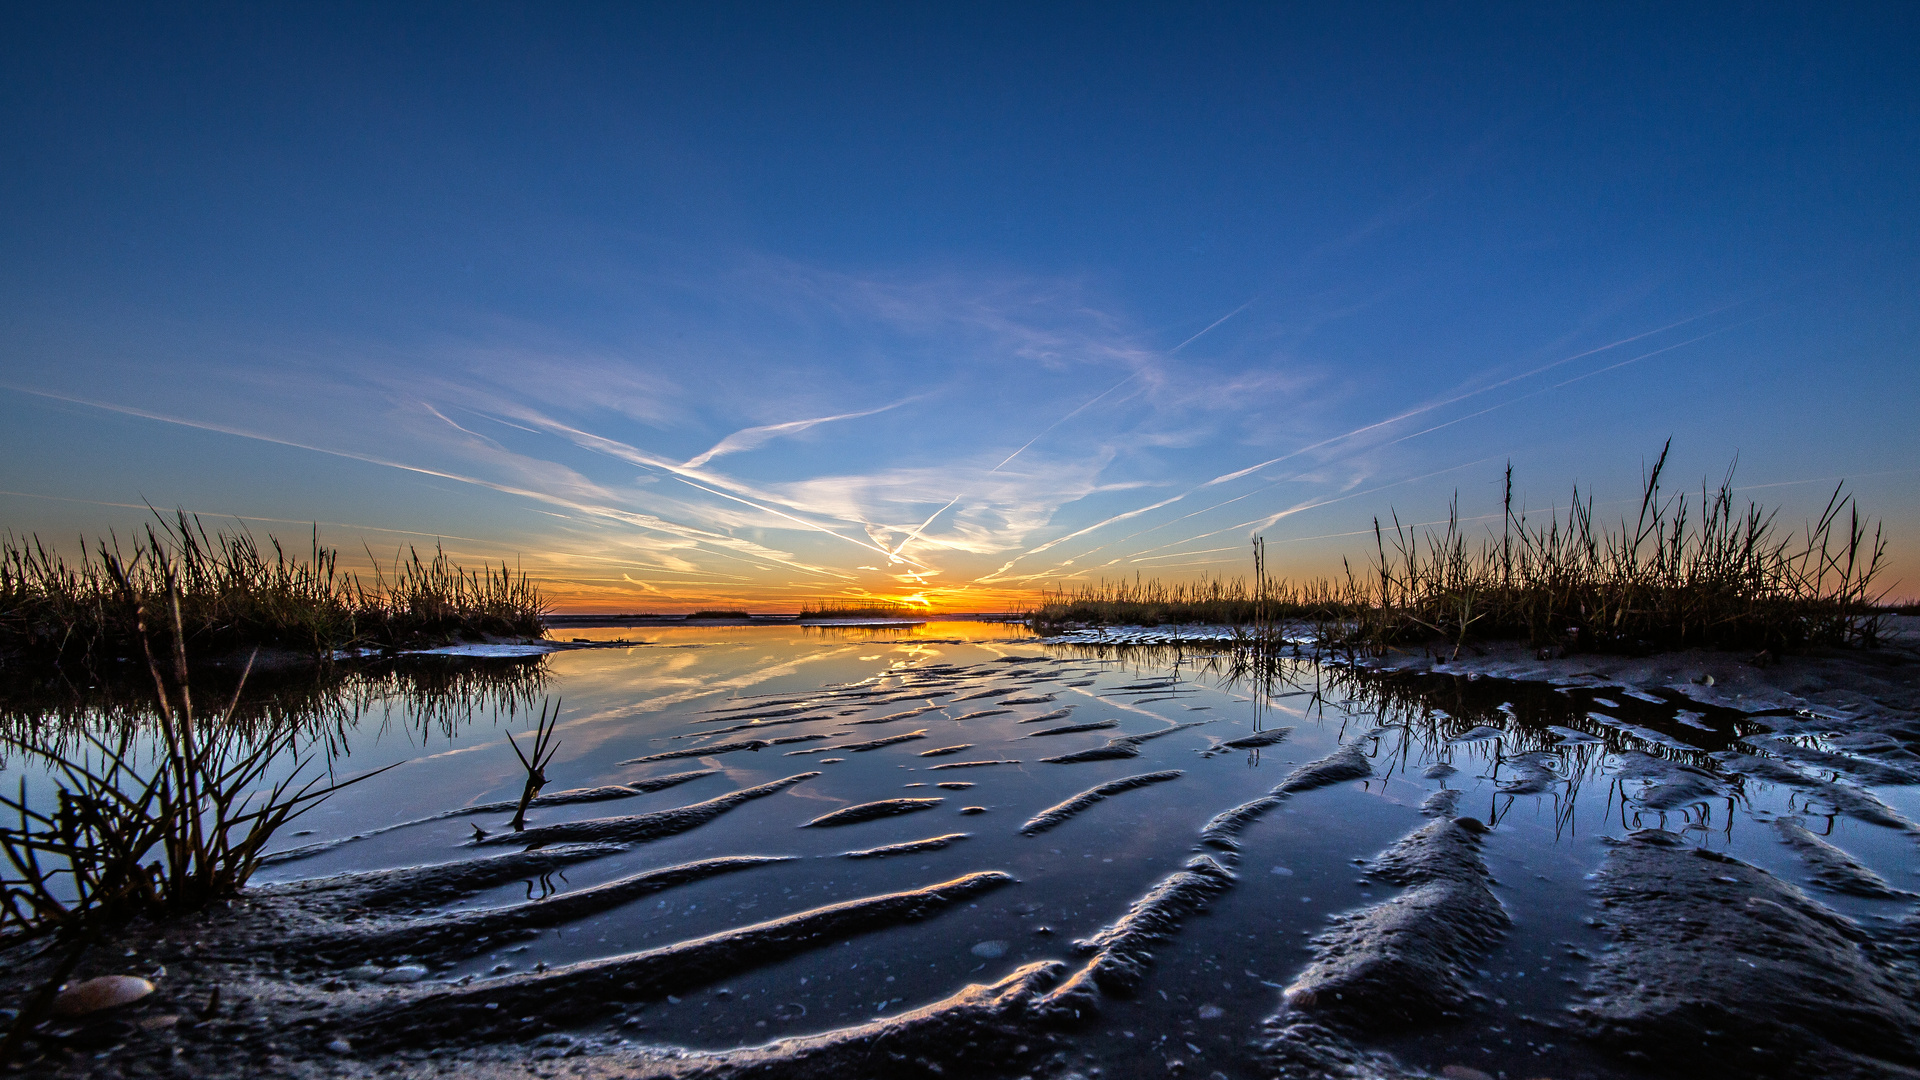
{"points": [[676, 306]]}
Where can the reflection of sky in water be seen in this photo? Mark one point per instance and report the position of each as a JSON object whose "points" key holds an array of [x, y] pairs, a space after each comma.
{"points": [[1215, 980]]}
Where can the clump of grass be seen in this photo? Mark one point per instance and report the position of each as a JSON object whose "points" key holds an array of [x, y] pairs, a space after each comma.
{"points": [[236, 594], [143, 823], [858, 609], [715, 613], [1215, 601], [1680, 574]]}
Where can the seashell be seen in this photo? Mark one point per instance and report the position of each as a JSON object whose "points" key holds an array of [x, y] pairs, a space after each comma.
{"points": [[105, 992]]}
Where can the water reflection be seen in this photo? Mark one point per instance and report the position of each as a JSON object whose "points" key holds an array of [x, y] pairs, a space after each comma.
{"points": [[422, 697]]}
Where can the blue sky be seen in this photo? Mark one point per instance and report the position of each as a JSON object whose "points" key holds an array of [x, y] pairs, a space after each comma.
{"points": [[686, 304]]}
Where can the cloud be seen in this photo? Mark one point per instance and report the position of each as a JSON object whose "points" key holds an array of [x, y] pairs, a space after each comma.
{"points": [[753, 437]]}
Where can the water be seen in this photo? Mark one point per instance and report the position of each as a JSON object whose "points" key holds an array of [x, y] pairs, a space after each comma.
{"points": [[1212, 983]]}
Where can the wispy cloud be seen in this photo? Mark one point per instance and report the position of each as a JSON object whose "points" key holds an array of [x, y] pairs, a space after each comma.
{"points": [[755, 437], [1017, 414]]}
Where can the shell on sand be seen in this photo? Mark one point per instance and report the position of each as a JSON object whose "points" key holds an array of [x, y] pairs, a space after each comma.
{"points": [[105, 992]]}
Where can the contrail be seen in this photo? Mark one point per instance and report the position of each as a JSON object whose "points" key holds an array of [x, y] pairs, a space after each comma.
{"points": [[748, 438], [1089, 404], [1569, 382], [636, 456], [894, 555], [717, 543], [1408, 414], [1210, 326], [796, 520], [1490, 408], [457, 427], [1272, 518]]}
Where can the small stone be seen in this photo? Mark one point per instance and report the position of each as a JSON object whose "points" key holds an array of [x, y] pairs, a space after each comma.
{"points": [[364, 972], [990, 950], [968, 810], [105, 992], [1472, 825], [1211, 1012], [340, 1046], [405, 973], [1463, 1072]]}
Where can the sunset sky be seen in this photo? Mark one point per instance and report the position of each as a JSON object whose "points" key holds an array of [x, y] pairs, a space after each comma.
{"points": [[696, 304]]}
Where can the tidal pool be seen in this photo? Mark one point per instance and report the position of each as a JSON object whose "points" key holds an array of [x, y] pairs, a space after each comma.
{"points": [[950, 726]]}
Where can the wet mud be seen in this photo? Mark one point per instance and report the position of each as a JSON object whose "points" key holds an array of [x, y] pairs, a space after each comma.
{"points": [[1060, 812], [1345, 764], [1718, 967], [491, 1010], [853, 815], [415, 888], [436, 940], [982, 1031], [945, 750], [1069, 729], [1832, 868], [638, 828], [931, 843], [505, 806], [1119, 955], [1410, 958], [1271, 737], [1119, 747], [862, 747]]}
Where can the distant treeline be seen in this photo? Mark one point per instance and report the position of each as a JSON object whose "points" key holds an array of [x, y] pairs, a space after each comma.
{"points": [[233, 594], [1678, 574]]}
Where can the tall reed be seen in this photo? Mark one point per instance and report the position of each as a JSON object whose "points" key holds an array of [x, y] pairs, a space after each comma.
{"points": [[235, 594], [1216, 601], [1680, 573]]}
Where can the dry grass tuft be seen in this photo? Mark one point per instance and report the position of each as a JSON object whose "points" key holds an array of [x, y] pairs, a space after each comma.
{"points": [[234, 595], [1680, 574]]}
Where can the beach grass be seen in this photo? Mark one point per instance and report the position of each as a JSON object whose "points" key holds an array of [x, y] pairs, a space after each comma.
{"points": [[235, 593], [143, 822], [1682, 572]]}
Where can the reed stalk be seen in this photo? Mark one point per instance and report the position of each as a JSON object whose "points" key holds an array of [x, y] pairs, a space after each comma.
{"points": [[1680, 573], [235, 594]]}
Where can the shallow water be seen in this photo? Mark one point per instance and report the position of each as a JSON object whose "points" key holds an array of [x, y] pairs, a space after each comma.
{"points": [[1215, 980]]}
